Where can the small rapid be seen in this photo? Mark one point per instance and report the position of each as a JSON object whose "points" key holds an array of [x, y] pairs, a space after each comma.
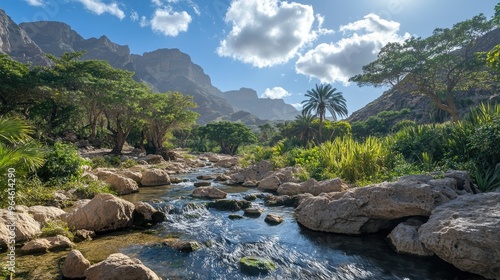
{"points": [[298, 253]]}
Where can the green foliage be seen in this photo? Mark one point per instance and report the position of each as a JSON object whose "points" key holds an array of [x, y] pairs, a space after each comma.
{"points": [[228, 135], [88, 191], [380, 125], [62, 164], [488, 180], [253, 154], [56, 227]]}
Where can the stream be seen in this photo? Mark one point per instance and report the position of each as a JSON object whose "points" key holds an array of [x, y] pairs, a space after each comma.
{"points": [[298, 253]]}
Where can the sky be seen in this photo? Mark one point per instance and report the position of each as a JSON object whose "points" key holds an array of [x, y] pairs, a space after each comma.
{"points": [[281, 49]]}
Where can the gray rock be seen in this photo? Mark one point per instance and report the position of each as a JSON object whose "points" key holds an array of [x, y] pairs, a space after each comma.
{"points": [[155, 177], [274, 219], [44, 213], [208, 192], [253, 211], [270, 183], [74, 265], [104, 212], [466, 233], [120, 266], [202, 184], [122, 184], [43, 245], [405, 239]]}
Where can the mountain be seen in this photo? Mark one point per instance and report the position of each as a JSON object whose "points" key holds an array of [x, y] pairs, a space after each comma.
{"points": [[163, 69], [422, 107], [17, 44], [246, 99]]}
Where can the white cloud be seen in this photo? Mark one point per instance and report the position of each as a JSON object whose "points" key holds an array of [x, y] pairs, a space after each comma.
{"points": [[157, 2], [337, 62], [97, 7], [267, 32], [134, 16], [35, 3], [297, 106], [144, 22], [170, 23], [275, 93]]}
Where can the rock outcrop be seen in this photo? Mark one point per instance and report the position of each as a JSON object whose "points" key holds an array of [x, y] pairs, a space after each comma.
{"points": [[104, 212], [371, 208], [466, 233], [120, 266]]}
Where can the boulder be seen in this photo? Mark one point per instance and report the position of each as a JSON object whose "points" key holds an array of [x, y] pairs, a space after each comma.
{"points": [[250, 184], [466, 233], [371, 208], [84, 235], [155, 177], [222, 178], [253, 211], [463, 180], [208, 192], [205, 177], [270, 183], [289, 188], [120, 266], [102, 174], [227, 162], [145, 213], [235, 217], [43, 245], [229, 204], [274, 219], [255, 172], [104, 212], [122, 184], [182, 245], [405, 239], [202, 184], [43, 213], [26, 227], [74, 265], [136, 176], [327, 186], [254, 265], [153, 159]]}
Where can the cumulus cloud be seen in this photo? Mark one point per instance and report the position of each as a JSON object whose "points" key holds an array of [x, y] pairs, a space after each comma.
{"points": [[170, 23], [35, 3], [97, 7], [275, 93], [337, 62], [298, 106], [144, 22], [267, 32]]}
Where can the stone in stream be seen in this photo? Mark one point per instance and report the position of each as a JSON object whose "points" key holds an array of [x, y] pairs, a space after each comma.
{"points": [[205, 177], [254, 265], [202, 184], [43, 245], [405, 238], [155, 177], [229, 204], [235, 217], [253, 212], [182, 245], [274, 219], [208, 192]]}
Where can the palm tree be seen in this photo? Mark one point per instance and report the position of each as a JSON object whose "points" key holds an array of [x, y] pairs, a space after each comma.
{"points": [[17, 148], [303, 128], [322, 98]]}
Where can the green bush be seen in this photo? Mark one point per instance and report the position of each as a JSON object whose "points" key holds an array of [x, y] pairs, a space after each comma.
{"points": [[56, 227], [62, 164], [88, 191]]}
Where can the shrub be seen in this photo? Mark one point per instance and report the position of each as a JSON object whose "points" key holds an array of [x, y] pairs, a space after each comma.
{"points": [[62, 164], [93, 188], [56, 227]]}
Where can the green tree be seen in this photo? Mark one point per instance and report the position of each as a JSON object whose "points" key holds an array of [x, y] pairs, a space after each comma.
{"points": [[324, 98], [436, 66], [303, 128], [266, 132], [228, 135], [165, 112]]}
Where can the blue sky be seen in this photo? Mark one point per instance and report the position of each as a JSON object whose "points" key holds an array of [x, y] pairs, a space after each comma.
{"points": [[279, 48]]}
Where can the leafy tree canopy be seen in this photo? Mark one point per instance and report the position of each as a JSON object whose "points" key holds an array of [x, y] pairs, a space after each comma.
{"points": [[228, 135]]}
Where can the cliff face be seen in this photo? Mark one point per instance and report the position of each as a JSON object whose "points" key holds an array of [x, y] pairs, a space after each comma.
{"points": [[246, 99], [17, 44]]}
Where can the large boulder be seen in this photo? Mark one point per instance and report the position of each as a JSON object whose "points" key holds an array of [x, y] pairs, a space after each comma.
{"points": [[313, 187], [371, 208], [122, 184], [208, 192], [144, 213], [104, 212], [74, 265], [405, 239], [255, 172], [136, 176], [44, 213], [270, 183], [155, 177], [24, 225], [466, 233], [120, 266], [43, 245]]}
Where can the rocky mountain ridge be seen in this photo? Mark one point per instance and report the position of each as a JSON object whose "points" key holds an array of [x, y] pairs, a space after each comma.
{"points": [[163, 69]]}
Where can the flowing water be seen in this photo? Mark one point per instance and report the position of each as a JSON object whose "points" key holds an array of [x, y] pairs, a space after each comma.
{"points": [[297, 252]]}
